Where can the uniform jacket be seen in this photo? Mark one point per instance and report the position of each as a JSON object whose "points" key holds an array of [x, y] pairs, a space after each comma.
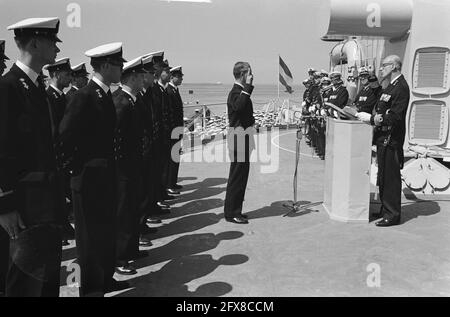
{"points": [[130, 129], [240, 107], [88, 127], [70, 93], [339, 97], [392, 105], [145, 101], [28, 165], [58, 103], [365, 100], [159, 99], [176, 104]]}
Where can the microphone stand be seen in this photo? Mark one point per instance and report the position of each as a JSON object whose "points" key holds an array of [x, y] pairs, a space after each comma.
{"points": [[295, 205]]}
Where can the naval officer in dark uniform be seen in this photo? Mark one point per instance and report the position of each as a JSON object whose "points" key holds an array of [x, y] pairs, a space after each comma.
{"points": [[240, 117], [148, 206], [79, 79], [389, 138], [365, 100], [30, 198], [60, 78], [128, 144], [339, 94], [87, 139], [161, 129], [177, 125]]}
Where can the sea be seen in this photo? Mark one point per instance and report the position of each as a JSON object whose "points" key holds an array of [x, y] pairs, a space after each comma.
{"points": [[214, 96]]}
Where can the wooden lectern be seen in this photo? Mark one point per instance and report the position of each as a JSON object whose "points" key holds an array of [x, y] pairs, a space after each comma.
{"points": [[347, 170]]}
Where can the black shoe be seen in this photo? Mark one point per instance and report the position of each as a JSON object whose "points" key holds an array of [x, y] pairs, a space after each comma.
{"points": [[239, 220], [127, 269], [161, 206], [153, 220], [387, 222], [244, 216], [115, 286], [144, 242], [173, 191], [176, 186]]}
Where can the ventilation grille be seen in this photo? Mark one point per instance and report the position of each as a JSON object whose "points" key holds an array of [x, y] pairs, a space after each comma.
{"points": [[428, 124], [431, 67]]}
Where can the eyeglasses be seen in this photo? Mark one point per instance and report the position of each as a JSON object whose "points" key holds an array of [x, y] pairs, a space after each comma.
{"points": [[386, 64]]}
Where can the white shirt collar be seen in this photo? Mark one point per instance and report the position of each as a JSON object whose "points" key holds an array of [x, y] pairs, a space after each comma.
{"points": [[144, 90], [239, 84], [28, 71], [75, 87], [57, 90], [162, 85], [101, 84], [127, 89], [171, 84], [392, 81]]}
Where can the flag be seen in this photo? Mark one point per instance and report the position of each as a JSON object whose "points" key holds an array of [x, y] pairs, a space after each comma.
{"points": [[286, 78]]}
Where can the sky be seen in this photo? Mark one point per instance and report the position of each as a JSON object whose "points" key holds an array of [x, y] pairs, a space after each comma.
{"points": [[206, 39]]}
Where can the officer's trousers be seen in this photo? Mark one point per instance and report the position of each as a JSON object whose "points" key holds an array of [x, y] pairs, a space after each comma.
{"points": [[94, 203], [389, 181], [128, 213]]}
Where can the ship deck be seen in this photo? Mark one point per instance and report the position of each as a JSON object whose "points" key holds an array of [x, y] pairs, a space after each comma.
{"points": [[197, 253]]}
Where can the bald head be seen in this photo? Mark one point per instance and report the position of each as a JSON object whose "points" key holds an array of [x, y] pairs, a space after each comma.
{"points": [[395, 60], [391, 66]]}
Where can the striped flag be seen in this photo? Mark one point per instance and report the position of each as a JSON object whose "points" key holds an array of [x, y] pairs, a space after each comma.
{"points": [[286, 78]]}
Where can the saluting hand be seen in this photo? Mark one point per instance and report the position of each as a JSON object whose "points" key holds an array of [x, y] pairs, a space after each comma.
{"points": [[12, 223]]}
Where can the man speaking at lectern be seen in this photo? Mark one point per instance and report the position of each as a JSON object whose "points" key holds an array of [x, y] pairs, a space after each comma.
{"points": [[389, 137]]}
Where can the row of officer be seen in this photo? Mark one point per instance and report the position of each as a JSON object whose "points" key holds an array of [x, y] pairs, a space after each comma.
{"points": [[36, 150]]}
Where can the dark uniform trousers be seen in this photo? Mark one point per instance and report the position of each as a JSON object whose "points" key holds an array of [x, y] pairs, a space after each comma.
{"points": [[389, 180], [128, 154], [176, 106], [161, 145], [240, 115], [28, 170], [389, 138], [87, 141], [147, 200], [237, 183]]}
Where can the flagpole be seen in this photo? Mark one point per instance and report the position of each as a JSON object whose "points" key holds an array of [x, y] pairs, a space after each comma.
{"points": [[278, 77]]}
